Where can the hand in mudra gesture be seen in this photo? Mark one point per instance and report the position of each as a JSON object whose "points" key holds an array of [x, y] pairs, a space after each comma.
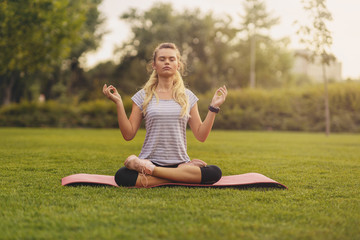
{"points": [[111, 93], [219, 97]]}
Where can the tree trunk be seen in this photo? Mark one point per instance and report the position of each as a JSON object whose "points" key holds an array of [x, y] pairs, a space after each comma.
{"points": [[326, 101], [8, 91], [252, 61]]}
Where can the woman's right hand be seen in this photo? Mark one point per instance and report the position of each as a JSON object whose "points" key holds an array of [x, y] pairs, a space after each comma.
{"points": [[111, 93]]}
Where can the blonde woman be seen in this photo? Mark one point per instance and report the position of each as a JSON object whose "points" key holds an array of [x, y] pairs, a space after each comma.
{"points": [[167, 107]]}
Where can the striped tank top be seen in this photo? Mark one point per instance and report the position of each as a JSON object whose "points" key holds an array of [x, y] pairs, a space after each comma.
{"points": [[165, 140]]}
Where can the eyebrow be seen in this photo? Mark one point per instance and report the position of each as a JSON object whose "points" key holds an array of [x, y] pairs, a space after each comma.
{"points": [[167, 56]]}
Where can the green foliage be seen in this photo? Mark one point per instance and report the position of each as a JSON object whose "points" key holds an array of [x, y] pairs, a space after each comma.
{"points": [[317, 38], [268, 60], [28, 114], [315, 35], [69, 75], [256, 18], [211, 46], [205, 43], [35, 38], [41, 48], [249, 109], [98, 113], [293, 109], [322, 201], [103, 73], [33, 33]]}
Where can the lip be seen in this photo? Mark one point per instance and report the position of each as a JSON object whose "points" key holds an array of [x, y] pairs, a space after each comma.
{"points": [[166, 68]]}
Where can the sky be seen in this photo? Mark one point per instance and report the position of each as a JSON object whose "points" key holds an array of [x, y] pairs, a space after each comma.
{"points": [[345, 32]]}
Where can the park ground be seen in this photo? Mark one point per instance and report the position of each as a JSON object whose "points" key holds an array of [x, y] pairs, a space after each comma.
{"points": [[321, 173]]}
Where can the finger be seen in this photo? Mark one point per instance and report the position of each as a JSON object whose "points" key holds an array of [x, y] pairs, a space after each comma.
{"points": [[199, 161], [219, 89], [224, 89], [222, 92], [204, 163], [225, 92], [104, 88], [114, 89], [108, 92], [108, 89]]}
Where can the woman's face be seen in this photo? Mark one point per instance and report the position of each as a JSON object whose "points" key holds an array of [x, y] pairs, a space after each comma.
{"points": [[166, 63]]}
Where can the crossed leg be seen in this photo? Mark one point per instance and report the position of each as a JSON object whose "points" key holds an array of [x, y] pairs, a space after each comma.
{"points": [[143, 173], [185, 174]]}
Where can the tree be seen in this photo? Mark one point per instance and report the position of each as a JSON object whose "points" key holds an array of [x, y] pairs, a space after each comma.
{"points": [[273, 63], [215, 54], [99, 75], [205, 43], [255, 23], [68, 80], [318, 40], [35, 36]]}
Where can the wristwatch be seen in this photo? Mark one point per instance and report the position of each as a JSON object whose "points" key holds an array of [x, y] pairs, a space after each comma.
{"points": [[213, 109]]}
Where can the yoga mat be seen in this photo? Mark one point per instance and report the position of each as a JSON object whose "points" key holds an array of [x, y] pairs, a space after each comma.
{"points": [[234, 181]]}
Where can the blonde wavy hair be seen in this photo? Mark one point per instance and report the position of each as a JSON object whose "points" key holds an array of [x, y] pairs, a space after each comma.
{"points": [[178, 92]]}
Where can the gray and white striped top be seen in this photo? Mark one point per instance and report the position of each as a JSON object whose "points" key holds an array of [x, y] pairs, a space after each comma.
{"points": [[165, 140]]}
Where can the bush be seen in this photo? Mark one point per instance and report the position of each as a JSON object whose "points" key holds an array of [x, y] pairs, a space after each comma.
{"points": [[49, 114], [94, 114], [299, 109], [281, 109]]}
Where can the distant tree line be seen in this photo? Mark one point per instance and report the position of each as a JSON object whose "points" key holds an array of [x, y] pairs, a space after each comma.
{"points": [[42, 41], [217, 50]]}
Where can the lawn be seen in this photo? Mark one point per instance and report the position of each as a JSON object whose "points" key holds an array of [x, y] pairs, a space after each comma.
{"points": [[322, 174]]}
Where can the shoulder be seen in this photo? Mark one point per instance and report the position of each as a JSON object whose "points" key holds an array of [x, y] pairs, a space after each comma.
{"points": [[189, 93], [192, 97], [139, 94], [139, 97]]}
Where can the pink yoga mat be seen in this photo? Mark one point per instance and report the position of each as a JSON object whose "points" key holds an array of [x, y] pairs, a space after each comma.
{"points": [[233, 181]]}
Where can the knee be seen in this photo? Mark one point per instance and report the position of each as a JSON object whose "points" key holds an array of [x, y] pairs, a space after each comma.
{"points": [[126, 177], [210, 174]]}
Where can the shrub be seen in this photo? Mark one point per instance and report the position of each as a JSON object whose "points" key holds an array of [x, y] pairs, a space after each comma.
{"points": [[300, 109], [280, 109]]}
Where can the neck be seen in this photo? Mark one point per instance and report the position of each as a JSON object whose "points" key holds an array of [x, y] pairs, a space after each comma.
{"points": [[165, 84]]}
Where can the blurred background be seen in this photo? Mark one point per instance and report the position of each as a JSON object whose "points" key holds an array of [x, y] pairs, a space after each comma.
{"points": [[280, 59]]}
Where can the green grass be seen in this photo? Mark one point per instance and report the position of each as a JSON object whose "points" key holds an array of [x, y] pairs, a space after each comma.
{"points": [[322, 175]]}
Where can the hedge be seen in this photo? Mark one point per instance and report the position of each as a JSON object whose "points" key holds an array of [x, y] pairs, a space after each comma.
{"points": [[281, 109]]}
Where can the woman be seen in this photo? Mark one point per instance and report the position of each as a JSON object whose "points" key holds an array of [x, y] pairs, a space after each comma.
{"points": [[167, 106]]}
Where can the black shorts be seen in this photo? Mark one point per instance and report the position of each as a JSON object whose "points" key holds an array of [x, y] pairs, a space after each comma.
{"points": [[125, 177]]}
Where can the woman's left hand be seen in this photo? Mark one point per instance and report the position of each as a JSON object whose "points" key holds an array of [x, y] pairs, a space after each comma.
{"points": [[219, 97]]}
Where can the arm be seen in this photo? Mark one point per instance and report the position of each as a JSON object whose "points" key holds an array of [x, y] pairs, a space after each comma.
{"points": [[201, 129], [128, 127]]}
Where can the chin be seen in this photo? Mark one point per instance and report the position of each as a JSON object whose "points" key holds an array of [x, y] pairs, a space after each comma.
{"points": [[167, 74]]}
